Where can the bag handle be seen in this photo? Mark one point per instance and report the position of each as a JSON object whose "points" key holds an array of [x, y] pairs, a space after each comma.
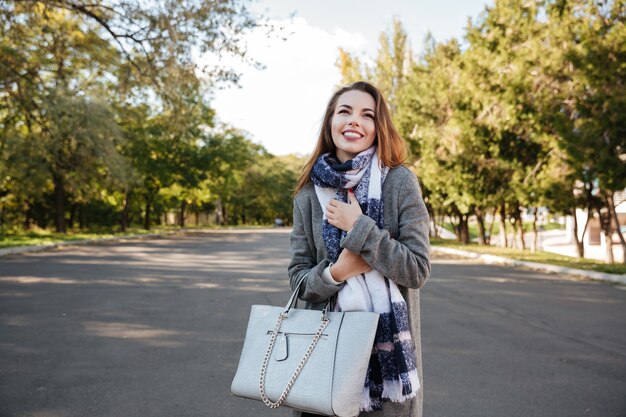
{"points": [[282, 316], [294, 297]]}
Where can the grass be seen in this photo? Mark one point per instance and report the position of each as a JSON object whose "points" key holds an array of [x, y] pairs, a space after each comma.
{"points": [[527, 255], [473, 227], [45, 237]]}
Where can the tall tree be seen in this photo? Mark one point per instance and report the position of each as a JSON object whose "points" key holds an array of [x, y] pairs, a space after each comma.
{"points": [[390, 67], [50, 59], [593, 102], [229, 154]]}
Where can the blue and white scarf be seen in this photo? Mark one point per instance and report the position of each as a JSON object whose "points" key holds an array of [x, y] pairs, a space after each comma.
{"points": [[392, 373]]}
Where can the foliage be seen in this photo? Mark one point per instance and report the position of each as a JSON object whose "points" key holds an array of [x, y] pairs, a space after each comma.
{"points": [[525, 112], [390, 67], [104, 117]]}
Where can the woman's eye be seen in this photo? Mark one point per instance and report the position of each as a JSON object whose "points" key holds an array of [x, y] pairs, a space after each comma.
{"points": [[342, 111], [371, 116]]}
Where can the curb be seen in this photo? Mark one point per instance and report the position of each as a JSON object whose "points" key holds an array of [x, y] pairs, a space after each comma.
{"points": [[498, 260]]}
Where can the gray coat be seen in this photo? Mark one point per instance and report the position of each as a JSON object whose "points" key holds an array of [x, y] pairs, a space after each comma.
{"points": [[400, 252]]}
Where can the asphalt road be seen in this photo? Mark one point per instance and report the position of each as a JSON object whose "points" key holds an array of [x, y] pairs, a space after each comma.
{"points": [[155, 327]]}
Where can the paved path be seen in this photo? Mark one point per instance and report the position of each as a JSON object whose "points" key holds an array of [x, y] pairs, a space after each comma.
{"points": [[154, 328]]}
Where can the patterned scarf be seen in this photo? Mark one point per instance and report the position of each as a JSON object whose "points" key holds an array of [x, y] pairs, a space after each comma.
{"points": [[392, 373]]}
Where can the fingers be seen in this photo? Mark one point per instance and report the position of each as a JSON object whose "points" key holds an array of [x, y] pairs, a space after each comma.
{"points": [[343, 215]]}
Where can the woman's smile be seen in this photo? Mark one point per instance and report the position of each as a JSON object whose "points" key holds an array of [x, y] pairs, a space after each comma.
{"points": [[352, 135]]}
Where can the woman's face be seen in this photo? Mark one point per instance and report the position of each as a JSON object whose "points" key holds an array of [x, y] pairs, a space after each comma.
{"points": [[352, 125]]}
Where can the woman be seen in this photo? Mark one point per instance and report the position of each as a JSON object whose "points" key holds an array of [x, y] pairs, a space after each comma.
{"points": [[360, 236]]}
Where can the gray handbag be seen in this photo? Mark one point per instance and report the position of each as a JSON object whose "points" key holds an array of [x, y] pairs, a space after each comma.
{"points": [[308, 360]]}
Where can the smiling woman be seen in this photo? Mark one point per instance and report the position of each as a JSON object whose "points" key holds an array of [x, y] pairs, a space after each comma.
{"points": [[360, 240]]}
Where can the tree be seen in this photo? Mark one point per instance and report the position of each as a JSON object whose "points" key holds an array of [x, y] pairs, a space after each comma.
{"points": [[229, 154], [591, 101], [390, 67], [49, 57], [65, 53], [267, 191]]}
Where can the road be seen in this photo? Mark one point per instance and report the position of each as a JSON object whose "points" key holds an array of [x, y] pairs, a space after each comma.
{"points": [[154, 328]]}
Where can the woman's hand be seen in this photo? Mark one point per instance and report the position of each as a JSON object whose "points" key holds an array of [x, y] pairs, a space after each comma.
{"points": [[348, 265], [343, 215]]}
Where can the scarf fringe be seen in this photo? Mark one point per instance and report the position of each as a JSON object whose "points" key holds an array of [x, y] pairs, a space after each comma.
{"points": [[392, 391]]}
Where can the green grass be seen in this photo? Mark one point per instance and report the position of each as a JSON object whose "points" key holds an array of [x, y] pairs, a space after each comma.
{"points": [[44, 237], [473, 228], [527, 255]]}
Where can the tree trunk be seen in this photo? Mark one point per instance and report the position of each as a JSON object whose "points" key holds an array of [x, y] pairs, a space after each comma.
{"points": [[606, 225], [611, 204], [219, 218], [535, 245], [224, 214], [461, 229], [59, 203], [608, 244], [490, 230], [464, 229], [580, 246], [456, 225], [480, 219], [125, 210], [432, 220], [438, 223], [503, 239], [146, 221], [181, 218], [519, 227]]}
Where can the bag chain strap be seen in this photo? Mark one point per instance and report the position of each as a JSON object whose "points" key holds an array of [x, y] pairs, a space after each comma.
{"points": [[296, 373]]}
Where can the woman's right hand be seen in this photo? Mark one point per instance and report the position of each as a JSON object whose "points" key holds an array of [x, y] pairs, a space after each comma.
{"points": [[348, 265]]}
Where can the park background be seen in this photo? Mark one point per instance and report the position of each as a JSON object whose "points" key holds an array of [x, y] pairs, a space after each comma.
{"points": [[110, 114]]}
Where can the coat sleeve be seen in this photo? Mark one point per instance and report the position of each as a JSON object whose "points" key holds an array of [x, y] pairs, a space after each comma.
{"points": [[404, 260], [303, 261]]}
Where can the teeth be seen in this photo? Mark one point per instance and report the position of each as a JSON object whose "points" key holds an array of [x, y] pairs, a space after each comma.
{"points": [[352, 135]]}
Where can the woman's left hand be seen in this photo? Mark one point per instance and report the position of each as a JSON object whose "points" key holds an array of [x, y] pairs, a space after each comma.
{"points": [[343, 215]]}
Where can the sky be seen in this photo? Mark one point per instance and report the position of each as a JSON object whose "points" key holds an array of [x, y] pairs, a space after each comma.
{"points": [[281, 106]]}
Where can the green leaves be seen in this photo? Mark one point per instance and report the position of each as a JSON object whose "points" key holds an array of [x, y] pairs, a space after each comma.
{"points": [[531, 105], [101, 104]]}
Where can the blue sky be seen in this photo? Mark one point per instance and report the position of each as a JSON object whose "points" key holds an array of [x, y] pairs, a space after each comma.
{"points": [[281, 106]]}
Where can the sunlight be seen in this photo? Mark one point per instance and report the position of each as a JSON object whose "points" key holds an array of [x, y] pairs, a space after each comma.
{"points": [[146, 334]]}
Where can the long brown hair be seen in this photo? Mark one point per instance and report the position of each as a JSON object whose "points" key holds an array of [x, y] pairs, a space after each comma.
{"points": [[391, 148]]}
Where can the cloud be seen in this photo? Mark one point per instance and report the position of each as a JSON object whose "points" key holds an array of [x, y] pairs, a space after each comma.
{"points": [[282, 105]]}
